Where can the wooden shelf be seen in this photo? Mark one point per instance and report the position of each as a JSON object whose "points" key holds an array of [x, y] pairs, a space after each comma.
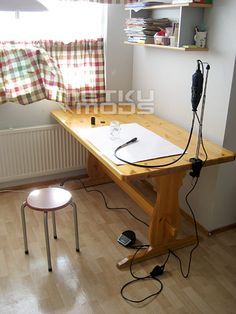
{"points": [[169, 6], [166, 47]]}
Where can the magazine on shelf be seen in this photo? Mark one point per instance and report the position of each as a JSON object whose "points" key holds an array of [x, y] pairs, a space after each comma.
{"points": [[192, 1], [145, 3]]}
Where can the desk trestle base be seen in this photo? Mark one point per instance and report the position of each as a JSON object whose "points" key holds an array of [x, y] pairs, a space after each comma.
{"points": [[150, 252]]}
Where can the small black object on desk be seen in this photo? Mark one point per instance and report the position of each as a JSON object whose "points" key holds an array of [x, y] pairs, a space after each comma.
{"points": [[93, 121]]}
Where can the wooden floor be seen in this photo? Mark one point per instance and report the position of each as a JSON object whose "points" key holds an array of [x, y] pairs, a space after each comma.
{"points": [[89, 282]]}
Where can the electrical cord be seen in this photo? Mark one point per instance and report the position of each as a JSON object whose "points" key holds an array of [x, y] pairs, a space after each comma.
{"points": [[196, 233], [152, 276], [156, 166], [14, 191], [202, 142], [159, 270], [192, 213], [105, 201]]}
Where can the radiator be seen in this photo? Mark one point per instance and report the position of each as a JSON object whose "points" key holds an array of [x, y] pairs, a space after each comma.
{"points": [[38, 151]]}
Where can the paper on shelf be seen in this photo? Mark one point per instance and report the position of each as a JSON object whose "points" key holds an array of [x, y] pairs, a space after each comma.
{"points": [[148, 146]]}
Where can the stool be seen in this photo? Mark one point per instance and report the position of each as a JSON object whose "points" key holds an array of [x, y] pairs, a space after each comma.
{"points": [[49, 200]]}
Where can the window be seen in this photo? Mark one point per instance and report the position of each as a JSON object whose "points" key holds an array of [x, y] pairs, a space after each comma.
{"points": [[55, 54], [63, 20]]}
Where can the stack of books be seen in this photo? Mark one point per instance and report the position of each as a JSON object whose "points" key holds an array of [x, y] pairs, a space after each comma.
{"points": [[139, 30], [140, 5]]}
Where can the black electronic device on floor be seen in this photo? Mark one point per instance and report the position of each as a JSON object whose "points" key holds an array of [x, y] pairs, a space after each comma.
{"points": [[127, 238]]}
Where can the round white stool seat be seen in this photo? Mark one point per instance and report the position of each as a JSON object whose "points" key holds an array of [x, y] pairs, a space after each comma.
{"points": [[48, 199]]}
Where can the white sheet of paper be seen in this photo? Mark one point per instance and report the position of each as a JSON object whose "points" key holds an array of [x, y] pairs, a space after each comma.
{"points": [[148, 146]]}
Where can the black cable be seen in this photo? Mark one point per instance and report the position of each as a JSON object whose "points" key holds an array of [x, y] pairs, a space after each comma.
{"points": [[158, 166], [136, 279], [106, 204], [200, 61], [158, 270], [144, 299], [202, 143], [72, 179], [152, 275], [199, 122], [192, 213], [196, 233]]}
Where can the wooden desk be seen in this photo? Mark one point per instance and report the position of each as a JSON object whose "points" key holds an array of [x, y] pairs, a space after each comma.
{"points": [[164, 211]]}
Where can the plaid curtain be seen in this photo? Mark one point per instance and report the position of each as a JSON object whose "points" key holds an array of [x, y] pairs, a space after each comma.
{"points": [[20, 79], [68, 73]]}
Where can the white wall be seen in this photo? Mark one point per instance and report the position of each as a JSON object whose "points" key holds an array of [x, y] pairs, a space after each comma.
{"points": [[225, 200], [19, 116], [118, 56], [169, 74]]}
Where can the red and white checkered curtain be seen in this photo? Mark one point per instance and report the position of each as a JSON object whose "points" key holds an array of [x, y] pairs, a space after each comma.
{"points": [[69, 73]]}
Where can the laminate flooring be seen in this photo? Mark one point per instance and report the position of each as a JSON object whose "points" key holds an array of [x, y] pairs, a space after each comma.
{"points": [[89, 281]]}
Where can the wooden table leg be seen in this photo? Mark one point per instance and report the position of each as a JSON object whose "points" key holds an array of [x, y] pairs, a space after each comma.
{"points": [[165, 220], [96, 174], [164, 215]]}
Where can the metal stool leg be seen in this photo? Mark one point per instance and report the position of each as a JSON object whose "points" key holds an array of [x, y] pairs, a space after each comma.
{"points": [[76, 225], [24, 227], [47, 240], [54, 224]]}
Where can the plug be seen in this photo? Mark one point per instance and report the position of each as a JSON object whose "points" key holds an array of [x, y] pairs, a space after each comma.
{"points": [[196, 167], [157, 270]]}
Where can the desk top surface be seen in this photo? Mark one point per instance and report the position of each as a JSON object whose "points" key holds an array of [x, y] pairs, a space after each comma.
{"points": [[178, 136]]}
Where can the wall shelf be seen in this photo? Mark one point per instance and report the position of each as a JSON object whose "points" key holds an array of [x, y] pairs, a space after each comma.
{"points": [[166, 47], [186, 16], [169, 6]]}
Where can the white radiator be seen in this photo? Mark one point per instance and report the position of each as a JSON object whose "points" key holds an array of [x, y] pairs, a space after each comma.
{"points": [[37, 151]]}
